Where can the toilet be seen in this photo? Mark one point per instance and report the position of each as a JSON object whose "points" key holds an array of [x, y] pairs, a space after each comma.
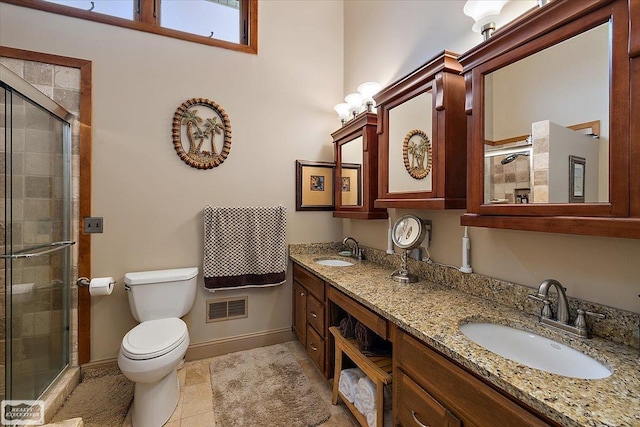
{"points": [[151, 351]]}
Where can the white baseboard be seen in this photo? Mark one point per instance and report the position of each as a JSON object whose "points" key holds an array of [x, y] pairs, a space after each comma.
{"points": [[238, 343]]}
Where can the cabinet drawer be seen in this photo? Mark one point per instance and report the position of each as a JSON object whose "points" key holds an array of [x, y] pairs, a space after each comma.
{"points": [[315, 315], [315, 347], [367, 317], [314, 284], [416, 407], [456, 389]]}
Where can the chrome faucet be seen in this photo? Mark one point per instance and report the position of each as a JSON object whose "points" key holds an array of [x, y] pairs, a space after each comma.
{"points": [[356, 252], [561, 322], [562, 307]]}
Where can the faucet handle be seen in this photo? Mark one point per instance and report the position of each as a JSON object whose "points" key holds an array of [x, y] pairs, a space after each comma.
{"points": [[546, 312], [581, 323]]}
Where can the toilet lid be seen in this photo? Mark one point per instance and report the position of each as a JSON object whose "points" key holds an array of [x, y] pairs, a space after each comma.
{"points": [[154, 338]]}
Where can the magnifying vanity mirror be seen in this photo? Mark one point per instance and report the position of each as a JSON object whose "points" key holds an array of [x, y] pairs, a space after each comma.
{"points": [[408, 233], [548, 101]]}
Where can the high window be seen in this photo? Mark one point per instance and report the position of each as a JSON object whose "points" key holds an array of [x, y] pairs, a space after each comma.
{"points": [[231, 24]]}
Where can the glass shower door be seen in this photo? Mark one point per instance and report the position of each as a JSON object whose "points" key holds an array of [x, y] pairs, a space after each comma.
{"points": [[35, 219]]}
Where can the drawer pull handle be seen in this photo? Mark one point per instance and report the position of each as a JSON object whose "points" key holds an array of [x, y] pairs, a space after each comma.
{"points": [[314, 315], [413, 414], [314, 348], [301, 294]]}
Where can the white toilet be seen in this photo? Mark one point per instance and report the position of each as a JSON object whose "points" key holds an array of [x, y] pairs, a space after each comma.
{"points": [[150, 352]]}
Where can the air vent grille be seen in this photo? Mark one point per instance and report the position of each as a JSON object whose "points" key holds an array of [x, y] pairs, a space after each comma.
{"points": [[226, 309]]}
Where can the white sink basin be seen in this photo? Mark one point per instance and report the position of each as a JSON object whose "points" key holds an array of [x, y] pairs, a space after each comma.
{"points": [[333, 262], [534, 351]]}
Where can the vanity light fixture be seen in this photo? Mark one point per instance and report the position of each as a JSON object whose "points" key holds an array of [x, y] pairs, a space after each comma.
{"points": [[484, 12], [343, 112], [367, 90], [355, 103]]}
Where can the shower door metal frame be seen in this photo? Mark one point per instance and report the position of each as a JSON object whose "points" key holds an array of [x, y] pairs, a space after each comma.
{"points": [[13, 84]]}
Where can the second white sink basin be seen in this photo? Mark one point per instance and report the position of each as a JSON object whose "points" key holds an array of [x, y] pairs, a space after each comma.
{"points": [[333, 262], [534, 351]]}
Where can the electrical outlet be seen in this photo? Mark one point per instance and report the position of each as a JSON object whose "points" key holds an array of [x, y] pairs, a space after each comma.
{"points": [[92, 224]]}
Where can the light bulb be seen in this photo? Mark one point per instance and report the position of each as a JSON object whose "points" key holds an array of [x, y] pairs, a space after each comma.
{"points": [[342, 110], [355, 102], [483, 11]]}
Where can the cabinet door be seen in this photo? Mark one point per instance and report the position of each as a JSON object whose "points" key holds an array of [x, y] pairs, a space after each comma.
{"points": [[300, 312]]}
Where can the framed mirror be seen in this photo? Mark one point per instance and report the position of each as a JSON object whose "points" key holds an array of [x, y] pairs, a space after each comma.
{"points": [[356, 154], [350, 173], [422, 130], [551, 86], [536, 120]]}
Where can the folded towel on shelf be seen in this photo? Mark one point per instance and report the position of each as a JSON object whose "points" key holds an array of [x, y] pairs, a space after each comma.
{"points": [[348, 382], [347, 327], [369, 343], [244, 247], [372, 417]]}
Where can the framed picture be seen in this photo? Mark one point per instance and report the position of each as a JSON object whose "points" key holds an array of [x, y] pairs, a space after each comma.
{"points": [[351, 184], [314, 186], [577, 166]]}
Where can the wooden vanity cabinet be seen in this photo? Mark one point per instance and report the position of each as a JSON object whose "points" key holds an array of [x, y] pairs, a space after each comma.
{"points": [[429, 389], [310, 314], [430, 100]]}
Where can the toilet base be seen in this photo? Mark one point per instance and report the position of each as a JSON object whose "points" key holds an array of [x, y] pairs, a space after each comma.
{"points": [[154, 403]]}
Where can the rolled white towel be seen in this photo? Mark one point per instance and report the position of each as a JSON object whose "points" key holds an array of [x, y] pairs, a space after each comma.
{"points": [[349, 382], [372, 417], [365, 400]]}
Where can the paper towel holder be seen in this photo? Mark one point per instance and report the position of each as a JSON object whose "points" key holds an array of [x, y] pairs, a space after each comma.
{"points": [[84, 282]]}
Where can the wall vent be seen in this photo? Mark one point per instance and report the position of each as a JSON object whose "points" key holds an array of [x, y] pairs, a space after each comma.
{"points": [[226, 309]]}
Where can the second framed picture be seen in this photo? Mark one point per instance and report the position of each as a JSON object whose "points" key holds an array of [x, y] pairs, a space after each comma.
{"points": [[314, 186]]}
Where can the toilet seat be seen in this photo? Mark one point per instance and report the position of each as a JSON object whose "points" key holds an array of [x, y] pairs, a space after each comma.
{"points": [[154, 338]]}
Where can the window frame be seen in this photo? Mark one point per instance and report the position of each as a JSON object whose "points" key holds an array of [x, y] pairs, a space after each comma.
{"points": [[147, 18]]}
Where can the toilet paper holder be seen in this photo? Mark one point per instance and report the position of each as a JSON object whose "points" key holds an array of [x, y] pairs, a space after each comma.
{"points": [[83, 282]]}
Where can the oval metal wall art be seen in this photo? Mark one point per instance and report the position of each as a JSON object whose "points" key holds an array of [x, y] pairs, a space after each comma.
{"points": [[201, 133], [416, 152]]}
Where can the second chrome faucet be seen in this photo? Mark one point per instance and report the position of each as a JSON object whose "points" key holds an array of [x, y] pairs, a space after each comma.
{"points": [[561, 321]]}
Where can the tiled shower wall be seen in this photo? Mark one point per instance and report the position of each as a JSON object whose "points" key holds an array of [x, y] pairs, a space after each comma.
{"points": [[62, 84]]}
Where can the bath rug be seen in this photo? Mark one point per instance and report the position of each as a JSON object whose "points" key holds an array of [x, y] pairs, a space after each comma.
{"points": [[102, 399], [264, 387]]}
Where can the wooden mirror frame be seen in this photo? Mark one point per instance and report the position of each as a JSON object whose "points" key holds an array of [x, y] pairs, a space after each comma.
{"points": [[440, 75], [535, 31], [363, 125]]}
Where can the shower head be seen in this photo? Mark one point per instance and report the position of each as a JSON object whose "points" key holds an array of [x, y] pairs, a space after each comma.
{"points": [[511, 157]]}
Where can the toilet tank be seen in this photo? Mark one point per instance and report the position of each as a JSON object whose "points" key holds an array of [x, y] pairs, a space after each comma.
{"points": [[160, 294]]}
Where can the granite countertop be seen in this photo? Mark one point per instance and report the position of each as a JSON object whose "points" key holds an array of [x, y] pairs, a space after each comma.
{"points": [[433, 312]]}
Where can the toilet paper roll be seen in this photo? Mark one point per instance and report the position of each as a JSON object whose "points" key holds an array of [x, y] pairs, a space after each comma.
{"points": [[101, 286]]}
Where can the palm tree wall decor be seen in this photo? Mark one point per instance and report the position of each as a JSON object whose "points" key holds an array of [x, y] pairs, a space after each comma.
{"points": [[416, 152], [194, 121]]}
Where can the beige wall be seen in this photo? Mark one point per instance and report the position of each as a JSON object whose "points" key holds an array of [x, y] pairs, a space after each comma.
{"points": [[280, 106], [406, 34]]}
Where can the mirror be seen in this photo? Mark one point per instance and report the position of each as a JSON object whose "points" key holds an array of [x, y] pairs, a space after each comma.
{"points": [[546, 126], [410, 145], [350, 172]]}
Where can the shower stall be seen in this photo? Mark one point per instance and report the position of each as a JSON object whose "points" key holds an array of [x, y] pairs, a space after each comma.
{"points": [[35, 225]]}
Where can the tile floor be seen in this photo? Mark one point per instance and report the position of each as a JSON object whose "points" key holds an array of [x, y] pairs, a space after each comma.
{"points": [[195, 407]]}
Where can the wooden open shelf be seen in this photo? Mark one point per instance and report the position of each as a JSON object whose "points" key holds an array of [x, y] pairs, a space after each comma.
{"points": [[377, 368]]}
